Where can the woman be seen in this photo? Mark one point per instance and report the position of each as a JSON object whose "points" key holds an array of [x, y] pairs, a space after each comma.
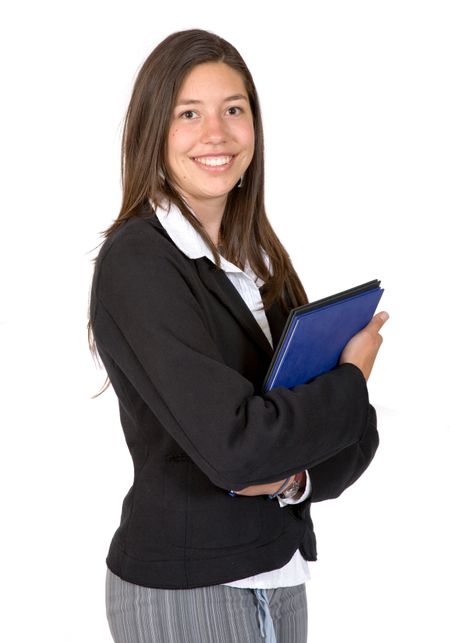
{"points": [[190, 294]]}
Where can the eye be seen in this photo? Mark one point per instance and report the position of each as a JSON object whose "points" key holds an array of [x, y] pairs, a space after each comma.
{"points": [[234, 110], [188, 115]]}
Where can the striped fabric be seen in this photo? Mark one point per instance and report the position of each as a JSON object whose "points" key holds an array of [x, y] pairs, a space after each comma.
{"points": [[216, 614]]}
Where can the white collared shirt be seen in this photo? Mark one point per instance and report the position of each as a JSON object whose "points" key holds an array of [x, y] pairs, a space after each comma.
{"points": [[187, 239]]}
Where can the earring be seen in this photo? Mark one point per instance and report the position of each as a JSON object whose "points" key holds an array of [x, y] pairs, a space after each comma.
{"points": [[241, 180]]}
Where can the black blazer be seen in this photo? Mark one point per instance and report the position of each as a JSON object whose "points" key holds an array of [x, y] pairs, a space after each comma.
{"points": [[187, 360]]}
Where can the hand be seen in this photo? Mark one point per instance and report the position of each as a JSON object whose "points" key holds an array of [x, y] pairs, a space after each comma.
{"points": [[363, 347], [264, 489]]}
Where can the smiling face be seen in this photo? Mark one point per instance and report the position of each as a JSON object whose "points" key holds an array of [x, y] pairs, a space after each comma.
{"points": [[211, 139]]}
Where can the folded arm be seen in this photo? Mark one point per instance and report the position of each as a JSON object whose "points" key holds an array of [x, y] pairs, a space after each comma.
{"points": [[147, 319]]}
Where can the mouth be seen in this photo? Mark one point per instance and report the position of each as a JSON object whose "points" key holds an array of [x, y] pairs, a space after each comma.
{"points": [[215, 163]]}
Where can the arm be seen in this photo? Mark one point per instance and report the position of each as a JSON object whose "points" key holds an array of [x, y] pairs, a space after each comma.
{"points": [[147, 318], [273, 488], [331, 477]]}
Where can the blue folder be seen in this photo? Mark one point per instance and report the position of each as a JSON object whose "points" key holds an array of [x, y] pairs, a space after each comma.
{"points": [[315, 335]]}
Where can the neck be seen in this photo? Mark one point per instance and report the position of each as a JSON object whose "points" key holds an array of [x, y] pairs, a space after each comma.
{"points": [[210, 215]]}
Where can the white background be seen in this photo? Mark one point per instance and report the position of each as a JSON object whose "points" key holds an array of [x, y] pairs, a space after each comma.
{"points": [[356, 104]]}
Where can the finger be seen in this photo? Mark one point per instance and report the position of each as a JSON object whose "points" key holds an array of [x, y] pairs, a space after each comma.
{"points": [[378, 320]]}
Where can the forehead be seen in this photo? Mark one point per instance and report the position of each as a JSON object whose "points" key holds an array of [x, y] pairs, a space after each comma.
{"points": [[212, 80]]}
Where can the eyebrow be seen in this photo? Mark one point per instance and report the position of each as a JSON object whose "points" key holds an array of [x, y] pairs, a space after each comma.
{"points": [[192, 101]]}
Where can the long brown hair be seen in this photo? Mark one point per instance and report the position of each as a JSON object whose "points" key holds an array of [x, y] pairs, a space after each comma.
{"points": [[245, 232]]}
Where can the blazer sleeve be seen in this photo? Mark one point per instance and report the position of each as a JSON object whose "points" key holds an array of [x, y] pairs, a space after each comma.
{"points": [[147, 319], [331, 477]]}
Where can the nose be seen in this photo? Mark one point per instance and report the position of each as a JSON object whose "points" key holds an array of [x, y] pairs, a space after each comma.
{"points": [[214, 130]]}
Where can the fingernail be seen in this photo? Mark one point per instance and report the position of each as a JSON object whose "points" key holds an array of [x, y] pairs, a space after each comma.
{"points": [[384, 315]]}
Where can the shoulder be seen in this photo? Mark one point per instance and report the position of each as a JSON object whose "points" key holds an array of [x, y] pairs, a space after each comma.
{"points": [[140, 231], [139, 242], [141, 258], [140, 273]]}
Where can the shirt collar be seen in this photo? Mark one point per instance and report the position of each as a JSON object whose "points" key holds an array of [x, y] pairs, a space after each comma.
{"points": [[188, 240]]}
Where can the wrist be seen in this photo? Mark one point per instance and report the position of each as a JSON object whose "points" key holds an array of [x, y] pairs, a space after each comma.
{"points": [[295, 489], [286, 485]]}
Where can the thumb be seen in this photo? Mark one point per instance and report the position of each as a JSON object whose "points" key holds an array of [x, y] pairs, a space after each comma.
{"points": [[378, 320]]}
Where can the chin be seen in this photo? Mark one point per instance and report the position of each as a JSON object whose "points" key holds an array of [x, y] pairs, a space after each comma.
{"points": [[220, 190]]}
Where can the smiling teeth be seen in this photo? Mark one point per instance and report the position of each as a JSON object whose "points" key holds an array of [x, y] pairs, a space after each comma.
{"points": [[221, 160]]}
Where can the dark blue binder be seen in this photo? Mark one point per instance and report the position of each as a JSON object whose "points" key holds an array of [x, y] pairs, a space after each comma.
{"points": [[315, 335]]}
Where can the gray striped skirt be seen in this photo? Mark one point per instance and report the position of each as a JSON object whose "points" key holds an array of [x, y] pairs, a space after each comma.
{"points": [[216, 614]]}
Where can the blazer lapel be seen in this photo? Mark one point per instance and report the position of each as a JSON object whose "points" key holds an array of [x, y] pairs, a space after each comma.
{"points": [[218, 283], [277, 317]]}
